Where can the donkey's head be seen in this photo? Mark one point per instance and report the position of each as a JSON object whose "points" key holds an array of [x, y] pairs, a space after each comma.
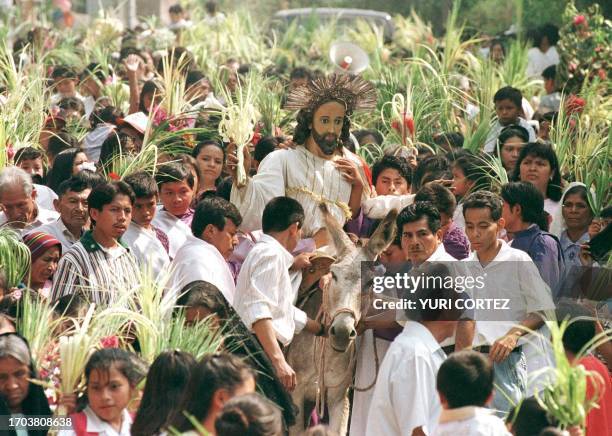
{"points": [[342, 298]]}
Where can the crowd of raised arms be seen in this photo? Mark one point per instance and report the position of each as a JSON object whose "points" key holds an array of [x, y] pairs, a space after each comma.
{"points": [[173, 262]]}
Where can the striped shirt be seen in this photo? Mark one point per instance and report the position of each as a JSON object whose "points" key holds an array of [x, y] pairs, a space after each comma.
{"points": [[98, 273]]}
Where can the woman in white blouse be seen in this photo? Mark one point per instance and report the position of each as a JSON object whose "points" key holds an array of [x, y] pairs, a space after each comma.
{"points": [[544, 53]]}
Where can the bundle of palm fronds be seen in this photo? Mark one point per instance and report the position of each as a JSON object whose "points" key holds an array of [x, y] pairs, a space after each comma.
{"points": [[238, 120], [37, 322], [23, 110], [14, 257]]}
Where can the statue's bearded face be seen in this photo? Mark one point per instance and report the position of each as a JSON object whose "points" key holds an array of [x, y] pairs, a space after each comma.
{"points": [[327, 124]]}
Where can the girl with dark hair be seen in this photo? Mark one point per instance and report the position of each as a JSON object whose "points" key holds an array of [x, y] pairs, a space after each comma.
{"points": [[112, 375], [150, 96], [113, 146], [209, 156], [510, 142], [20, 397], [166, 382], [497, 52], [469, 176], [67, 164], [251, 415], [538, 165], [213, 382]]}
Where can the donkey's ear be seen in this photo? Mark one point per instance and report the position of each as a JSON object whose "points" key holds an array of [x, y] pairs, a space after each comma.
{"points": [[382, 237], [344, 246]]}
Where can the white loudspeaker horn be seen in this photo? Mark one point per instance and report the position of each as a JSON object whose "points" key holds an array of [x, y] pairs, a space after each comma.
{"points": [[348, 57]]}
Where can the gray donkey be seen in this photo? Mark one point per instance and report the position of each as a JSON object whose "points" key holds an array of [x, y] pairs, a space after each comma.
{"points": [[325, 366]]}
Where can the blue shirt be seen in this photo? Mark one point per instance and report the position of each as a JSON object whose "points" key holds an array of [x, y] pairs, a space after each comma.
{"points": [[545, 251], [571, 250]]}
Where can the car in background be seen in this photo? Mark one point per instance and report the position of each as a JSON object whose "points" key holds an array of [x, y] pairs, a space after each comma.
{"points": [[344, 18]]}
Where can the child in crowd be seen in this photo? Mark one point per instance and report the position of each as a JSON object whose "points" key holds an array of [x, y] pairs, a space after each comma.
{"points": [[578, 334], [552, 100], [213, 382], [176, 185], [511, 141], [465, 386], [455, 242], [508, 107], [30, 160], [391, 176], [65, 81], [166, 381], [468, 176], [178, 18], [111, 375], [251, 415], [149, 244]]}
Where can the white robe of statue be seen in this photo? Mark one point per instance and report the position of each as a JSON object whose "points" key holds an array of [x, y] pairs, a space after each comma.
{"points": [[299, 174]]}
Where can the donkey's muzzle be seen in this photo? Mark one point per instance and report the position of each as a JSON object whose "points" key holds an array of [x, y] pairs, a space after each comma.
{"points": [[342, 332]]}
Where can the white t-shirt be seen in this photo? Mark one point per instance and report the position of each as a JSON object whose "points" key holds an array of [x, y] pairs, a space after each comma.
{"points": [[537, 61], [405, 395], [199, 260], [472, 421], [510, 275]]}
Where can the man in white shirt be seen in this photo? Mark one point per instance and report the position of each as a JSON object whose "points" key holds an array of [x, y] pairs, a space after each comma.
{"points": [[265, 295], [421, 239], [204, 256], [405, 401], [18, 202], [509, 275], [72, 207]]}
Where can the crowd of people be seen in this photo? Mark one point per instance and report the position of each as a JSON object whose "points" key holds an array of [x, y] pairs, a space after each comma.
{"points": [[239, 253]]}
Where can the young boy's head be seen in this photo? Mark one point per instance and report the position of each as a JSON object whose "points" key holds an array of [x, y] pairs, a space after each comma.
{"points": [[442, 198], [176, 13], [176, 184], [146, 194], [580, 331], [522, 203], [30, 160], [391, 175], [549, 75], [110, 208], [465, 379], [482, 211], [65, 80], [508, 105]]}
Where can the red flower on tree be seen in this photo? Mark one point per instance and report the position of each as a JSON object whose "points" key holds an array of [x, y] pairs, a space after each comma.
{"points": [[579, 20]]}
